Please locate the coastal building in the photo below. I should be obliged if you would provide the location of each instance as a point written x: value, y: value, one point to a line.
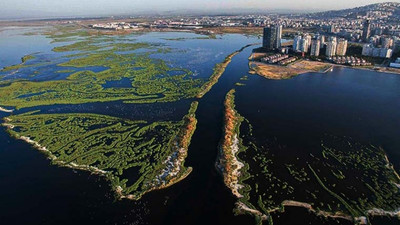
x: 396, y: 45
x: 378, y: 31
x: 304, y: 45
x: 366, y: 31
x: 331, y: 47
x: 272, y: 37
x: 375, y: 40
x: 341, y: 47
x: 396, y: 64
x: 387, y: 42
x: 332, y: 29
x: 296, y: 43
x: 308, y: 38
x: 278, y: 35
x: 322, y: 40
x: 386, y: 53
x: 315, y: 47
x: 367, y: 50
x: 370, y: 50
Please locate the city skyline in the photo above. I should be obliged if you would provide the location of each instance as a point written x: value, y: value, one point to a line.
x: 20, y: 9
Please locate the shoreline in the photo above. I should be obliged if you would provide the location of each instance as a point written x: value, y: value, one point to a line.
x: 219, y: 69
x: 173, y: 166
x: 227, y: 162
x: 6, y: 110
x: 382, y: 70
x: 277, y: 72
x: 54, y: 158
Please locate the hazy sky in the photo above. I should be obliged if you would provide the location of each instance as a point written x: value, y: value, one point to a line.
x: 51, y: 8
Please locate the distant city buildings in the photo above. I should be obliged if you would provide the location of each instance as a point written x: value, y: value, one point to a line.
x: 296, y: 43
x: 341, y: 47
x: 315, y: 47
x: 114, y: 26
x: 382, y: 33
x: 396, y: 64
x: 387, y: 42
x: 370, y: 50
x: 349, y: 60
x: 281, y: 59
x: 322, y: 40
x: 332, y: 29
x: 272, y: 37
x: 302, y: 43
x: 331, y: 46
x: 366, y: 31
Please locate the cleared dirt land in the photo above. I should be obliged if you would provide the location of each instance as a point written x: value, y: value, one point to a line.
x: 285, y: 72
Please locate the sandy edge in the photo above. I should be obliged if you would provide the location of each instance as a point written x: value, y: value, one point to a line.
x: 6, y: 110
x: 95, y: 170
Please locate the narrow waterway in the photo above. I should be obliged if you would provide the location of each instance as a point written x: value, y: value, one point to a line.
x: 203, y: 198
x: 47, y: 194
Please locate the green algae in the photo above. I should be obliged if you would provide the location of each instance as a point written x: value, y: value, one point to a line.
x: 151, y: 83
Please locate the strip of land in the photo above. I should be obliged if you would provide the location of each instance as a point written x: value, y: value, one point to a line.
x: 228, y: 163
x: 118, y: 149
x: 219, y: 69
x: 6, y: 110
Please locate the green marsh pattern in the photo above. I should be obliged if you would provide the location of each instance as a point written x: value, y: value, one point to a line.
x: 106, y: 143
x: 345, y: 178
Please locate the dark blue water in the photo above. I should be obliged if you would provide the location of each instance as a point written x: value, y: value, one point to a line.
x: 150, y: 112
x: 122, y: 83
x: 361, y: 104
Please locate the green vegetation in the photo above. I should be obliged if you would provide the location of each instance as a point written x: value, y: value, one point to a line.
x: 27, y: 58
x: 219, y: 69
x: 234, y: 171
x: 150, y: 78
x: 94, y: 45
x: 245, y: 77
x: 63, y: 33
x: 24, y: 59
x: 78, y: 46
x: 65, y: 71
x: 150, y: 81
x: 343, y: 178
x: 134, y: 155
x: 193, y: 38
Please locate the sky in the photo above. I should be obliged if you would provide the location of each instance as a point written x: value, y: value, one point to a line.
x: 68, y: 8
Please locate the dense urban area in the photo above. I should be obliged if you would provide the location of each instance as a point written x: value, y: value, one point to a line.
x: 358, y: 37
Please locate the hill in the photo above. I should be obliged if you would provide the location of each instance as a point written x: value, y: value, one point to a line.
x: 389, y: 12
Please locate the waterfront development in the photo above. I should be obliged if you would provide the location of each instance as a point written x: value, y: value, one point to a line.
x: 164, y: 127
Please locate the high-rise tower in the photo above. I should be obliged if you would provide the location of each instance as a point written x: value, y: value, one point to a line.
x: 366, y: 31
x: 315, y: 47
x: 341, y: 47
x: 272, y: 37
